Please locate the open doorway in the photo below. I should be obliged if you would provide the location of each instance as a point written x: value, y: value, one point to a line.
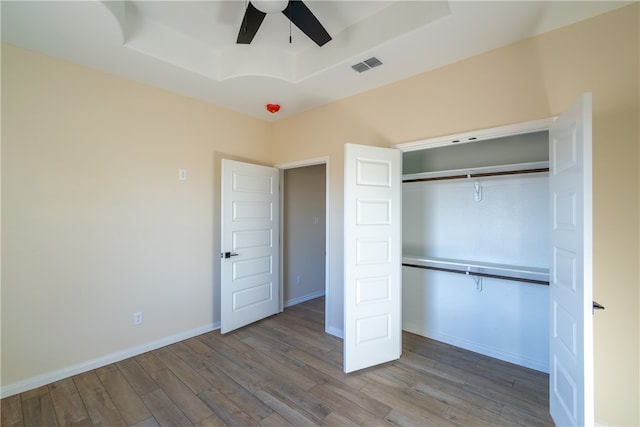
x: 304, y: 207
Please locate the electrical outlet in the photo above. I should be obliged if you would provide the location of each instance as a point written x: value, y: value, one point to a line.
x: 298, y: 279
x: 182, y: 174
x: 137, y: 318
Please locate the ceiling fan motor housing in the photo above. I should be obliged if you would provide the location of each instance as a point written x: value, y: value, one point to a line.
x: 270, y: 6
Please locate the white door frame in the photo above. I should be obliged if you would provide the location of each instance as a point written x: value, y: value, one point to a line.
x: 294, y: 165
x: 479, y: 135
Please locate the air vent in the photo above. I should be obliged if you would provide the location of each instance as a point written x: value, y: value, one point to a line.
x: 360, y: 67
x: 373, y: 62
x: 367, y: 64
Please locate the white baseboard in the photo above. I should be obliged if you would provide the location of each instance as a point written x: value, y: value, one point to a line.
x: 328, y: 329
x: 49, y: 377
x: 335, y: 332
x: 455, y: 341
x: 518, y: 359
x: 298, y: 300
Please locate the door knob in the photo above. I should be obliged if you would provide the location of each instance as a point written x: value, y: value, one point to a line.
x: 228, y: 254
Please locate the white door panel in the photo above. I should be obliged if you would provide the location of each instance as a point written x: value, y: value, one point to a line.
x: 372, y: 239
x: 249, y: 262
x: 571, y: 281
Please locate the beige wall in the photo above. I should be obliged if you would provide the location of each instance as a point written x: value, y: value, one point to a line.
x: 529, y: 80
x: 95, y: 223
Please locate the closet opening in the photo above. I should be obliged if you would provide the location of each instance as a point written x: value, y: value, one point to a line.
x: 476, y: 245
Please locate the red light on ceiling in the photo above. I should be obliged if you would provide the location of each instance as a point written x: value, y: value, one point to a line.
x: 273, y: 108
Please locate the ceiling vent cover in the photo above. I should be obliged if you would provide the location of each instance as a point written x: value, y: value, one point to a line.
x: 360, y: 67
x: 367, y: 64
x: 373, y: 62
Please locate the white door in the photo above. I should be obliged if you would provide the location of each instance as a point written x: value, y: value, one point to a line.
x: 372, y: 256
x: 571, y: 400
x: 249, y: 260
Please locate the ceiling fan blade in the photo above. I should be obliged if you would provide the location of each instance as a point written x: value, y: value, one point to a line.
x: 304, y: 19
x: 250, y: 23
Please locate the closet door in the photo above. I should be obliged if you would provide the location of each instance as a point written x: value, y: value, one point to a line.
x: 372, y: 256
x: 571, y: 283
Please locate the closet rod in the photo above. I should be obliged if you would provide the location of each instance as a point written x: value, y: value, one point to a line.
x: 473, y: 273
x: 478, y: 175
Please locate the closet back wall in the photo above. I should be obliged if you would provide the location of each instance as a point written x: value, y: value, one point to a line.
x: 509, y: 225
x: 500, y: 318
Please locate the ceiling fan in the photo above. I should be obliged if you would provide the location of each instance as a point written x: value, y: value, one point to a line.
x: 297, y: 12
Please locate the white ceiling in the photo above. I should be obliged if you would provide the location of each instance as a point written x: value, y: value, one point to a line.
x: 189, y: 47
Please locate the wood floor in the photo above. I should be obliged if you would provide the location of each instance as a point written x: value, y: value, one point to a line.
x: 285, y: 371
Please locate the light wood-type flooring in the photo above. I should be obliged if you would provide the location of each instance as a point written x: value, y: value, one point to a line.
x: 285, y: 371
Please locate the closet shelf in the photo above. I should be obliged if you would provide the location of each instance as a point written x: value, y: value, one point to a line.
x: 479, y: 172
x: 518, y: 273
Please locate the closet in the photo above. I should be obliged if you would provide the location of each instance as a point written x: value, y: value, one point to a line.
x: 476, y: 246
